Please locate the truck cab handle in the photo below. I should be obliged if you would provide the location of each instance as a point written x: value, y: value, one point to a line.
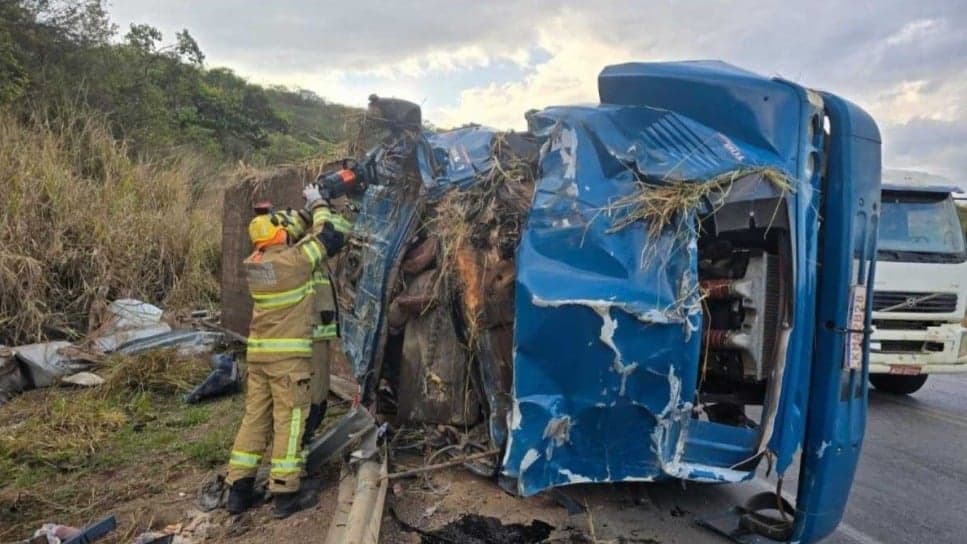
x: 841, y: 330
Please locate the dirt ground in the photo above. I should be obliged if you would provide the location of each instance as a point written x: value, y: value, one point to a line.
x: 452, y: 493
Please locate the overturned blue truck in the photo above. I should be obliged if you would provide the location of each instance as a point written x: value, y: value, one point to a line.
x: 671, y: 284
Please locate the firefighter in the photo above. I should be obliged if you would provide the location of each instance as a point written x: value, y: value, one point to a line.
x: 325, y: 325
x: 280, y: 276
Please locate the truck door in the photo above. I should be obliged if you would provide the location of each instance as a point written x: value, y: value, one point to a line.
x: 836, y: 414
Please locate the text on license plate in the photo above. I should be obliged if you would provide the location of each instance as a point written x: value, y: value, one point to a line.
x: 905, y: 370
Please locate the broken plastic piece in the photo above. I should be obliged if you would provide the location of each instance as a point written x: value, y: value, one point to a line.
x: 128, y: 313
x: 223, y: 380
x: 94, y: 531
x: 83, y: 379
x: 46, y: 363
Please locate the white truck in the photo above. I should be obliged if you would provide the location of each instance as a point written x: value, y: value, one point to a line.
x: 920, y: 286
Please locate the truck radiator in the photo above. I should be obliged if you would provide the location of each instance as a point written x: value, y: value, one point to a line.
x: 758, y: 293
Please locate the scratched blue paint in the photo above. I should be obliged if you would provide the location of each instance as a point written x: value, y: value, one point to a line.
x: 622, y: 308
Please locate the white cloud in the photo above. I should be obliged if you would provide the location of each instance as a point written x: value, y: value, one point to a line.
x: 921, y: 99
x: 568, y: 77
x: 913, y: 31
x: 902, y: 61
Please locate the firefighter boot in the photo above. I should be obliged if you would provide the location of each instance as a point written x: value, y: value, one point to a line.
x: 317, y: 412
x: 286, y: 504
x: 241, y: 496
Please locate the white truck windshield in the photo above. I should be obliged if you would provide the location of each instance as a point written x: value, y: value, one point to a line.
x: 922, y: 223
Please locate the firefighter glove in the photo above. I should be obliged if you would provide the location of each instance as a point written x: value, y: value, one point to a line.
x: 312, y: 195
x: 332, y: 239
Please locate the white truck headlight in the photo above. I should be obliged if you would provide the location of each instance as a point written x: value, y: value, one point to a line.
x: 963, y: 343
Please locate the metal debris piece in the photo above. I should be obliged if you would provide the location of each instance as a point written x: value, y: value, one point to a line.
x: 338, y: 437
x: 112, y: 342
x: 187, y: 342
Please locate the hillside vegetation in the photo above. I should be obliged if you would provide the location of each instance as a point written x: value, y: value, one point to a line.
x: 114, y: 146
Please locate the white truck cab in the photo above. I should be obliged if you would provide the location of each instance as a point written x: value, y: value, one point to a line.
x: 920, y: 286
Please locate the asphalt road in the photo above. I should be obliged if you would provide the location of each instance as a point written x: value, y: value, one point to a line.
x: 911, y: 485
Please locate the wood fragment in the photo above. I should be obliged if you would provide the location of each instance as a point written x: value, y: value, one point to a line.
x: 342, y: 388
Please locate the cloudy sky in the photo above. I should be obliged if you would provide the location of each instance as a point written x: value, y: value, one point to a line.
x: 489, y: 61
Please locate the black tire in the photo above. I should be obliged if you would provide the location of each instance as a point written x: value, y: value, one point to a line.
x: 898, y: 385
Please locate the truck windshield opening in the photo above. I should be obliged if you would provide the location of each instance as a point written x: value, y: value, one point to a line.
x: 920, y: 227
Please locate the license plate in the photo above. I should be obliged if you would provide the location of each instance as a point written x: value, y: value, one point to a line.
x: 905, y: 370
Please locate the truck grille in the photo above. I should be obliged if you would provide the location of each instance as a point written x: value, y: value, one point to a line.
x: 938, y: 303
x: 904, y: 325
x: 909, y: 346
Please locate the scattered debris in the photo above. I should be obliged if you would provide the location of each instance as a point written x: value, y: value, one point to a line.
x: 439, y: 466
x: 52, y: 533
x: 213, y: 493
x: 129, y: 327
x: 476, y: 529
x: 199, y: 527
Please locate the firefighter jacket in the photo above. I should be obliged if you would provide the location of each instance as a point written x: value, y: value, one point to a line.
x: 325, y: 310
x: 282, y: 281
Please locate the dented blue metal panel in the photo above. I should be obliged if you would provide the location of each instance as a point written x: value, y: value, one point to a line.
x: 607, y: 323
x: 765, y: 114
x: 838, y: 399
x: 459, y: 155
x: 382, y: 228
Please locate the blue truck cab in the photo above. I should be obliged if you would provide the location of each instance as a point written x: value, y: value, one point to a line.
x: 692, y: 293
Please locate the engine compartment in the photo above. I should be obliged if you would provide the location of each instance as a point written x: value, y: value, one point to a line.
x: 744, y: 270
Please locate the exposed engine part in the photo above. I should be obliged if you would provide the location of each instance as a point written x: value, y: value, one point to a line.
x: 744, y: 314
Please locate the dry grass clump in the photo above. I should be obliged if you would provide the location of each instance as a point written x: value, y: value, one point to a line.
x: 83, y: 222
x: 479, y: 226
x: 159, y: 371
x: 665, y: 203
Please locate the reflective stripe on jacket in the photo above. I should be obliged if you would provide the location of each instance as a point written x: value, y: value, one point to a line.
x: 326, y: 318
x: 282, y: 281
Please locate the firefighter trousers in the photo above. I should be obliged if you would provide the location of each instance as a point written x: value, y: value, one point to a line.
x: 276, y: 404
x: 320, y: 371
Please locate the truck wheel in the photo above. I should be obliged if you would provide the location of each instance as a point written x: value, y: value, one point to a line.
x: 898, y: 385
